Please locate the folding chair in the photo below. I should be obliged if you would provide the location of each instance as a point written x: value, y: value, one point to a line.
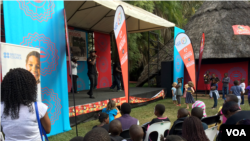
x: 211, y: 133
x: 159, y: 127
x: 211, y: 120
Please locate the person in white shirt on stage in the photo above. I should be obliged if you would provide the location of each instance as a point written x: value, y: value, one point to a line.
x: 74, y: 66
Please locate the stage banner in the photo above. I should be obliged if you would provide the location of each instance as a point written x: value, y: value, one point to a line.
x: 200, y: 56
x: 103, y: 60
x: 16, y: 56
x: 241, y: 30
x: 40, y: 24
x: 78, y: 44
x: 178, y: 67
x: 120, y: 30
x: 185, y: 49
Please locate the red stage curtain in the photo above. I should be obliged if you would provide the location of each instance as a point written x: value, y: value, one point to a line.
x: 103, y: 61
x: 235, y: 71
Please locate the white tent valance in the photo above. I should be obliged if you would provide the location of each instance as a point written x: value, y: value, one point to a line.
x: 99, y: 16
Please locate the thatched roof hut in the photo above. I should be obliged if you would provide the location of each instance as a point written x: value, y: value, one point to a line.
x: 215, y: 19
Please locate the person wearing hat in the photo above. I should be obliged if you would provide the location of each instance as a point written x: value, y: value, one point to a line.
x: 74, y: 74
x: 92, y: 72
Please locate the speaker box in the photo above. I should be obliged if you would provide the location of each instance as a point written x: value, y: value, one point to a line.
x: 167, y: 77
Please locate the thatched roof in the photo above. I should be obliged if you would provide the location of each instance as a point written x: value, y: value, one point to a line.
x: 216, y: 19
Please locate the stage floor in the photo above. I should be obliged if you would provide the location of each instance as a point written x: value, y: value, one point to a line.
x: 105, y: 94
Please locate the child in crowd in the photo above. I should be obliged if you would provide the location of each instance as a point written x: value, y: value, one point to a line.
x: 173, y: 92
x: 104, y: 120
x: 97, y: 134
x: 136, y: 133
x: 185, y: 92
x: 236, y: 90
x: 202, y: 105
x: 79, y: 138
x: 111, y: 110
x: 198, y: 112
x: 115, y: 129
x: 182, y: 114
x: 243, y: 87
x: 190, y: 91
x: 178, y: 91
x: 225, y: 88
x: 172, y: 138
x: 243, y: 122
x: 248, y: 92
x: 214, y: 92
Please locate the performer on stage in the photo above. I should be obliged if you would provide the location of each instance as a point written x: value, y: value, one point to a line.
x: 117, y: 76
x: 74, y: 74
x: 92, y: 72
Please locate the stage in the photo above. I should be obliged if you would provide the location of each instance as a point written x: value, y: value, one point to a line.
x: 86, y: 108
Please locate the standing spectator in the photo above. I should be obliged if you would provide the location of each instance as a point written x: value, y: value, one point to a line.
x: 178, y: 91
x: 212, y: 78
x: 192, y: 130
x: 243, y: 87
x: 189, y: 96
x: 174, y: 92
x: 104, y: 120
x: 248, y: 92
x: 117, y: 77
x: 126, y: 120
x: 74, y: 74
x: 225, y: 88
x: 111, y: 110
x: 214, y: 92
x: 207, y: 82
x: 236, y: 90
x: 18, y: 112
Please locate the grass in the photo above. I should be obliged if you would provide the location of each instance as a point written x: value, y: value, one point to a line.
x: 145, y: 114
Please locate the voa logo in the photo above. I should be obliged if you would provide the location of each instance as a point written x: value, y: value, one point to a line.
x: 236, y: 132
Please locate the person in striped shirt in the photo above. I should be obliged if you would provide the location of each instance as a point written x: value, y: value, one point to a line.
x: 202, y: 105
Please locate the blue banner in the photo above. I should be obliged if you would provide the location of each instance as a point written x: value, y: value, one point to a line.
x: 178, y: 67
x: 83, y: 79
x: 41, y: 24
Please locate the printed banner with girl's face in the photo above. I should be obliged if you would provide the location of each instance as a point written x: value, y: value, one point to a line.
x: 16, y: 56
x: 120, y: 30
x: 185, y: 49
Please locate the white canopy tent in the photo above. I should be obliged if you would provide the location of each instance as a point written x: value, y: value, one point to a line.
x: 99, y: 16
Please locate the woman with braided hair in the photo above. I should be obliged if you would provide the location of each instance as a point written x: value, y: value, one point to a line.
x: 18, y: 114
x: 192, y: 130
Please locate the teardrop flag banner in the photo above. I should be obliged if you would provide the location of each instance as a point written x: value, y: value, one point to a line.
x: 120, y: 31
x: 185, y: 49
x: 200, y: 56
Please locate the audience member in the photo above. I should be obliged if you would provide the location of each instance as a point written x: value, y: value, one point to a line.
x: 174, y: 92
x: 243, y: 122
x: 236, y: 90
x: 136, y: 133
x: 182, y: 114
x: 189, y: 96
x: 110, y: 110
x: 225, y: 88
x: 178, y: 91
x: 202, y: 105
x: 243, y: 87
x: 115, y: 129
x: 214, y: 92
x: 198, y: 112
x: 104, y: 120
x: 192, y: 130
x: 126, y: 120
x: 172, y: 138
x: 18, y: 112
x: 79, y: 138
x: 97, y: 134
x: 233, y: 113
x: 248, y: 92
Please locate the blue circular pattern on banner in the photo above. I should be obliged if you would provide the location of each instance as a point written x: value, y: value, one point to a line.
x: 178, y: 63
x: 80, y: 84
x: 39, y: 10
x: 104, y: 82
x: 103, y: 64
x: 236, y: 73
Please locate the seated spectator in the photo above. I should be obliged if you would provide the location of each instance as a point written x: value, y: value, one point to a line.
x: 136, y: 133
x: 115, y: 129
x: 198, y: 112
x: 77, y: 139
x: 97, y: 134
x: 181, y: 116
x: 126, y: 120
x: 111, y: 110
x: 202, y: 105
x: 18, y: 112
x: 192, y: 130
x: 172, y: 138
x: 233, y: 113
x: 243, y: 122
x: 104, y: 120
